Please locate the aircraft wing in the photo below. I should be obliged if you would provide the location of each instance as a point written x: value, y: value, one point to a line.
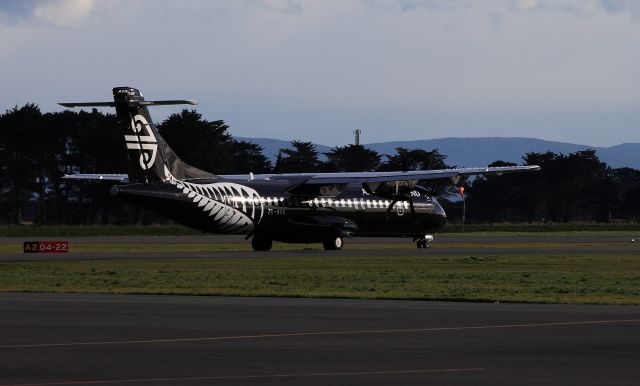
x: 379, y: 177
x: 414, y: 175
x: 344, y: 178
x: 123, y: 178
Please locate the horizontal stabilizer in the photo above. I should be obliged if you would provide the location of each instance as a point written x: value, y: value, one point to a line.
x: 130, y: 103
x: 168, y: 102
x: 88, y: 104
x: 98, y: 177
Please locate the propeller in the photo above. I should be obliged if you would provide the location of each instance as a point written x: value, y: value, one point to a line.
x: 405, y: 167
x: 406, y: 195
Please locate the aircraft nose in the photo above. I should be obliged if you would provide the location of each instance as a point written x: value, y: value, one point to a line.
x: 438, y: 209
x: 437, y: 219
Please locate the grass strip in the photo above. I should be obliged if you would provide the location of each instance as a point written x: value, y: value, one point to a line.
x: 588, y: 279
x: 439, y: 247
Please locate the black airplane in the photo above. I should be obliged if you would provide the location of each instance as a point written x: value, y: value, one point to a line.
x: 291, y: 208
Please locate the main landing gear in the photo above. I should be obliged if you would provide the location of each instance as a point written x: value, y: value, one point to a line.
x: 424, y: 242
x: 261, y: 243
x: 334, y: 243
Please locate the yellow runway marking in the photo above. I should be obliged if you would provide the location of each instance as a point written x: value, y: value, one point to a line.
x: 321, y: 333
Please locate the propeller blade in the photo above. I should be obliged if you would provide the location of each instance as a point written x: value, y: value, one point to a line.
x: 413, y: 211
x: 395, y: 200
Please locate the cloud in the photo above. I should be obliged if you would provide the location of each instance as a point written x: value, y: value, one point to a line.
x: 61, y: 13
x: 581, y: 7
x: 413, y: 5
x: 65, y: 13
x: 570, y: 6
x: 622, y: 6
x: 14, y: 11
x: 279, y: 6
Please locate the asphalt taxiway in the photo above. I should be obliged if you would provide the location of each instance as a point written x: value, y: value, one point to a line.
x: 237, y: 246
x: 64, y: 339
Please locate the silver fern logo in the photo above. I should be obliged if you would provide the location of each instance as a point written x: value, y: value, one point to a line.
x: 234, y: 208
x: 143, y: 140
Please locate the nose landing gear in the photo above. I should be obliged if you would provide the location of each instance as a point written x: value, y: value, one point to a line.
x: 424, y: 242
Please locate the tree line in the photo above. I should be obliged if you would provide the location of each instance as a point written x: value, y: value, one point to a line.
x: 37, y: 149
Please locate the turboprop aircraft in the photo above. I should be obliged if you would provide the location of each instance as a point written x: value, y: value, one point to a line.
x: 302, y: 208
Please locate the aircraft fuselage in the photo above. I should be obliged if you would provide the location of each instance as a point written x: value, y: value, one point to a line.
x: 249, y: 207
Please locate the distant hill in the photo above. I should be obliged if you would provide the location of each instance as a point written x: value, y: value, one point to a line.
x: 469, y: 152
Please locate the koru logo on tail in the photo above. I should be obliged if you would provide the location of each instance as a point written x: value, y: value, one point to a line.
x: 143, y: 140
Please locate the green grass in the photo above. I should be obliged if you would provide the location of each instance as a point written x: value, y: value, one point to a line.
x: 609, y: 278
x: 546, y: 279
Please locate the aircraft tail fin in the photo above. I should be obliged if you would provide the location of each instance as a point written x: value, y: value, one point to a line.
x: 148, y: 152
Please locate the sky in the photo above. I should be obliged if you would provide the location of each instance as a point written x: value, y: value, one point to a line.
x: 563, y: 70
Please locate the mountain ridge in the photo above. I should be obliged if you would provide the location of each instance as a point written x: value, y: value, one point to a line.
x: 481, y: 151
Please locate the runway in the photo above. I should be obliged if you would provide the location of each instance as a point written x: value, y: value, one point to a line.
x: 237, y: 246
x: 53, y: 339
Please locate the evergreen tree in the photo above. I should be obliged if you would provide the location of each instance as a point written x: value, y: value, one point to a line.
x: 249, y: 157
x: 352, y: 158
x: 570, y: 187
x: 93, y: 144
x: 302, y: 158
x: 203, y: 144
x: 494, y: 198
x: 19, y: 142
x: 414, y: 159
x: 628, y: 180
x: 209, y: 146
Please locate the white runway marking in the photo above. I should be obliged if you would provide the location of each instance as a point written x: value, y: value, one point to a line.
x: 320, y: 333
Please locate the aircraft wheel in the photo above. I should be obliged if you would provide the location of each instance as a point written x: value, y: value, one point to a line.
x: 423, y: 243
x: 261, y: 243
x: 333, y: 244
